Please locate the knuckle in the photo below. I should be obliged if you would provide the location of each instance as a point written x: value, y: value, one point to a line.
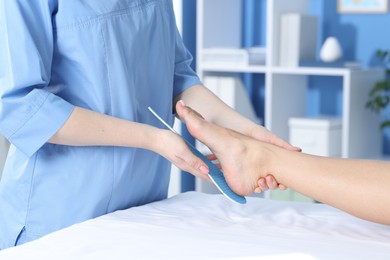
x: 194, y: 163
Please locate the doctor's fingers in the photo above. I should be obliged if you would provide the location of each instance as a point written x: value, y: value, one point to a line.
x: 273, y: 184
x: 262, y: 184
x: 213, y: 158
x: 269, y: 182
x: 190, y: 163
x: 273, y: 139
x: 260, y: 133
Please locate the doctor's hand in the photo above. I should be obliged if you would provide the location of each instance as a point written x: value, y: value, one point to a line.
x: 264, y: 183
x: 260, y: 133
x: 173, y: 148
x: 243, y: 159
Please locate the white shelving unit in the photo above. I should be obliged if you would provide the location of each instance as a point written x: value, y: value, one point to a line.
x: 4, y: 146
x: 286, y: 87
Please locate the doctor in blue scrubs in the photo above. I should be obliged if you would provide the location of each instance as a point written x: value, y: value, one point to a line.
x: 76, y: 79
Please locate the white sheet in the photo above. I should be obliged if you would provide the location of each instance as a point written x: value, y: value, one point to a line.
x: 200, y: 226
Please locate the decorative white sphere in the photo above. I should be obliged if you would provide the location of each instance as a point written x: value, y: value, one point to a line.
x: 331, y: 50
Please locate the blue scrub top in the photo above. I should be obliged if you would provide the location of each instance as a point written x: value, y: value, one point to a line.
x: 116, y: 57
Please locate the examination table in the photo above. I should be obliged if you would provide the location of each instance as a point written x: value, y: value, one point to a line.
x: 201, y: 226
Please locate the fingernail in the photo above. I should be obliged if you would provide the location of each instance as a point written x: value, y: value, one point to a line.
x: 182, y: 103
x: 257, y: 190
x: 204, y: 169
x: 262, y: 183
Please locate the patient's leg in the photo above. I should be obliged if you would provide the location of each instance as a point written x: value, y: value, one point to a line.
x: 238, y: 154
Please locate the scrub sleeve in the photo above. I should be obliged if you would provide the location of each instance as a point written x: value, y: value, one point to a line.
x: 29, y: 115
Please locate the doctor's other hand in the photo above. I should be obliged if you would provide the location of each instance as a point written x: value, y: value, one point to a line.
x: 260, y: 133
x: 173, y: 148
x: 265, y: 183
x: 241, y: 160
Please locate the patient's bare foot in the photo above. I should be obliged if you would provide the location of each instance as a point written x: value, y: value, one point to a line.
x: 239, y: 155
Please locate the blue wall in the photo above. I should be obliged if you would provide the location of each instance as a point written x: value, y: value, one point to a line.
x: 189, y: 39
x: 254, y: 33
x: 360, y: 35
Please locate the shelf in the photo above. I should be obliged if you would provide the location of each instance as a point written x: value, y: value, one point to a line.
x: 318, y: 71
x: 225, y: 67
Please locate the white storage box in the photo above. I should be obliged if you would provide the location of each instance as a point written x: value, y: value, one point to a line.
x: 319, y: 136
x: 257, y: 55
x: 236, y: 56
x: 225, y: 56
x: 298, y: 38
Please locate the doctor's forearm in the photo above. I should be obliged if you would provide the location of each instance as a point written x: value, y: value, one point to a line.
x: 214, y: 109
x: 88, y: 128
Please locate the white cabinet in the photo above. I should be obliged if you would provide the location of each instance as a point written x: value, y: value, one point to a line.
x: 219, y: 26
x: 4, y: 146
x: 318, y: 136
x: 286, y: 96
